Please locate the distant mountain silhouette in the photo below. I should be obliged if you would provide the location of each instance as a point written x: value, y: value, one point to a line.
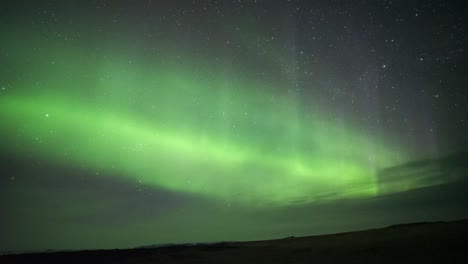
x: 440, y: 242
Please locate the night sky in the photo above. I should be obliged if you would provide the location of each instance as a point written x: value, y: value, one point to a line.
x: 130, y: 123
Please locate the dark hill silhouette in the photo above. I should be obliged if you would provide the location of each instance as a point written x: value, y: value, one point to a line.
x: 438, y: 242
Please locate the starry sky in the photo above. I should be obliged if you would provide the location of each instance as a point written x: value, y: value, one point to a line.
x: 131, y: 123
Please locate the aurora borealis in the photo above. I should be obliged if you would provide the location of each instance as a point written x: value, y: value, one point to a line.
x: 244, y: 151
x: 130, y: 124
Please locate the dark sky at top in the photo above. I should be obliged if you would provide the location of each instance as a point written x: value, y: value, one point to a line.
x: 288, y: 75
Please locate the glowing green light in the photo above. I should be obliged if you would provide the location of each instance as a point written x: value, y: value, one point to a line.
x: 228, y: 138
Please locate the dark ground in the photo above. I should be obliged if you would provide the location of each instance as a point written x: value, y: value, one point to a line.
x: 441, y: 242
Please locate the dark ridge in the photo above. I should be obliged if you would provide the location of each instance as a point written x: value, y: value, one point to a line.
x: 424, y: 242
x: 199, y: 246
x: 415, y: 224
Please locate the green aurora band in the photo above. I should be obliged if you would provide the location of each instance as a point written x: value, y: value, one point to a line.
x: 197, y: 131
